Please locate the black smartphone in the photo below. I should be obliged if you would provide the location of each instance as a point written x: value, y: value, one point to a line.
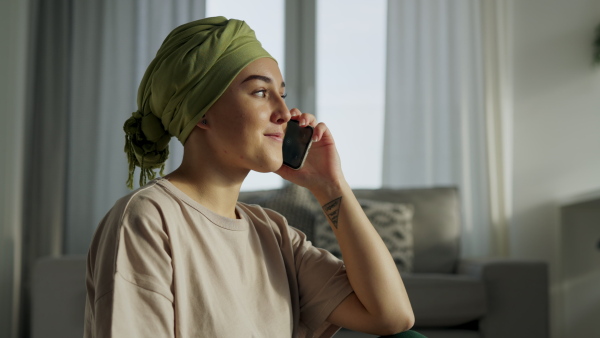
x: 296, y: 142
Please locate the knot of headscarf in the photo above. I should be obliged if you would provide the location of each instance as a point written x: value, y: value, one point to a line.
x: 192, y: 69
x: 146, y: 146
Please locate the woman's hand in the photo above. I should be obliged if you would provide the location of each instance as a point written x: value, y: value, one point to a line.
x: 322, y: 165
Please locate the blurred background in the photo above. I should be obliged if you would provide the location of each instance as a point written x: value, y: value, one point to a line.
x: 500, y: 98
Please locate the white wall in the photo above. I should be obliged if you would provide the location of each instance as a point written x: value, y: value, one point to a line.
x: 13, y: 43
x: 556, y: 124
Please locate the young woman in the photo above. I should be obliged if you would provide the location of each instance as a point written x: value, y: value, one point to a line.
x: 180, y: 257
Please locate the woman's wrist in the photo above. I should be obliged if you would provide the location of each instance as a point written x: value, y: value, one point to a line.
x: 326, y: 192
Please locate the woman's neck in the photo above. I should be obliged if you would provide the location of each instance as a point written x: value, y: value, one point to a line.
x: 212, y: 188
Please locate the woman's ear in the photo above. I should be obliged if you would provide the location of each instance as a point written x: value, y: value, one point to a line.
x: 203, y: 124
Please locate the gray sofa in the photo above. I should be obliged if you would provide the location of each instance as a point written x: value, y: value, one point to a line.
x: 451, y: 297
x: 454, y: 297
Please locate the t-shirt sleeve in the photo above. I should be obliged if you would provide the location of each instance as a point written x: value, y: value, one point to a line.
x: 323, y: 285
x: 139, y: 300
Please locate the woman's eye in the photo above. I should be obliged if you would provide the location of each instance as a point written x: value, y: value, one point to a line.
x: 261, y: 93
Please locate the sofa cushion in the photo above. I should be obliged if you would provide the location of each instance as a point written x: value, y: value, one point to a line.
x: 295, y: 203
x: 436, y: 224
x: 391, y: 220
x: 443, y: 300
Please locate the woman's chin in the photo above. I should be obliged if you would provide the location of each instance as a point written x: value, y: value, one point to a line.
x: 275, y: 167
x: 270, y: 166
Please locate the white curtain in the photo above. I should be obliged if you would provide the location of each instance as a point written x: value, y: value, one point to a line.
x: 436, y: 106
x: 497, y: 39
x: 87, y: 60
x: 13, y: 53
x: 112, y: 43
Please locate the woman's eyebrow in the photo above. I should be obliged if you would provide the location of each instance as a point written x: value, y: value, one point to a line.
x: 262, y: 78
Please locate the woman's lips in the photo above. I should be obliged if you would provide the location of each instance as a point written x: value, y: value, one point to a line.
x: 275, y: 136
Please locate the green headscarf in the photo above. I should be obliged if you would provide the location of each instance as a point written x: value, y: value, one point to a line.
x: 192, y: 69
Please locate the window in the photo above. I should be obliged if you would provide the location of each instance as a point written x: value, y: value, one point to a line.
x: 351, y: 47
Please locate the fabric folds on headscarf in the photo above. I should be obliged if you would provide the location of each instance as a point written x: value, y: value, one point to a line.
x: 192, y: 69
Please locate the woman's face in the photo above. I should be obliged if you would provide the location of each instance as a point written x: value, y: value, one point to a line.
x: 246, y: 125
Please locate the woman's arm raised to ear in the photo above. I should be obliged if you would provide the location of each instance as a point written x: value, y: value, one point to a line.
x: 379, y: 304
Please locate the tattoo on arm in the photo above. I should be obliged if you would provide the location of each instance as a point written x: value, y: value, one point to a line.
x: 332, y: 210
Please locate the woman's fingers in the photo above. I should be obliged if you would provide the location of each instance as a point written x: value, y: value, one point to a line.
x: 320, y: 130
x: 303, y: 118
x: 309, y: 119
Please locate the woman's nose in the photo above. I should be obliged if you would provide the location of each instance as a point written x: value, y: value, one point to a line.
x: 281, y: 113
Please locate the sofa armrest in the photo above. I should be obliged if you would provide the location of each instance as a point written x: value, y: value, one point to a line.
x: 517, y: 295
x: 58, y: 297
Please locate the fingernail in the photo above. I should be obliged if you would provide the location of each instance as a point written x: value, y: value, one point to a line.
x: 303, y: 122
x: 314, y: 138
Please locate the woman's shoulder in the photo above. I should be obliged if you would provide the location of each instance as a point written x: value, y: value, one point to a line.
x: 139, y: 211
x: 146, y: 201
x: 150, y: 194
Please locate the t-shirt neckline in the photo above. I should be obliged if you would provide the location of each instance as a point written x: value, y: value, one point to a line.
x: 218, y: 220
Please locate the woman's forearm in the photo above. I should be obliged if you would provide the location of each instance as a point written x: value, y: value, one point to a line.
x: 369, y: 265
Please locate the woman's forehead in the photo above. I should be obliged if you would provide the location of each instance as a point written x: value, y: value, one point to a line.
x: 264, y: 69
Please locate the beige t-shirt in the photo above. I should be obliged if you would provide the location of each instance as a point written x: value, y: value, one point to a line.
x: 162, y: 265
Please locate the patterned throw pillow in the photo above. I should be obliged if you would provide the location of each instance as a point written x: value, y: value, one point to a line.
x: 297, y: 205
x: 393, y: 222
